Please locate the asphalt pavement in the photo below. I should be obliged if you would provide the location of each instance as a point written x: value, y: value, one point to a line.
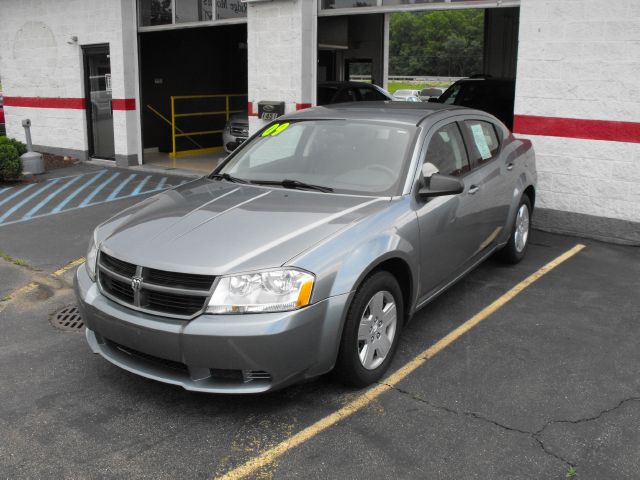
x: 548, y: 382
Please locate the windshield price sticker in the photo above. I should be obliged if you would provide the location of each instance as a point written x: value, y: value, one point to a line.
x: 275, y: 129
x: 481, y: 141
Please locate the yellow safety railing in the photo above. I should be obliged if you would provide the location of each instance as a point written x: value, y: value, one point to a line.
x: 178, y: 133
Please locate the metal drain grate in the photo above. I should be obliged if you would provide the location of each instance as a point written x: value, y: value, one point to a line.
x: 68, y: 319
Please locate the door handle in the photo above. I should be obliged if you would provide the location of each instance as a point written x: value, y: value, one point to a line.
x: 473, y: 189
x: 509, y: 166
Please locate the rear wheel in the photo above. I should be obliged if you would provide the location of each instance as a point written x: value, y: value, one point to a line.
x: 516, y: 247
x: 371, y: 331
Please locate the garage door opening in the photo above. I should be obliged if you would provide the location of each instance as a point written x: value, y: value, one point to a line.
x: 417, y: 55
x: 192, y: 82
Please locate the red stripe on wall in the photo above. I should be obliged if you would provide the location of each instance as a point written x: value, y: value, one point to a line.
x: 45, y: 102
x: 123, y: 103
x: 302, y: 106
x: 577, y: 128
x: 65, y: 103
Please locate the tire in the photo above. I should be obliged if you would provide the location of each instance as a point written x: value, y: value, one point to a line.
x: 360, y: 360
x: 516, y: 247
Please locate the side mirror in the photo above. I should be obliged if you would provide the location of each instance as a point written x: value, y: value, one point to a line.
x: 439, y: 185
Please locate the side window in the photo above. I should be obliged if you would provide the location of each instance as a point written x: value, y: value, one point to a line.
x: 345, y: 95
x: 446, y: 151
x: 370, y: 94
x: 449, y: 96
x: 483, y: 139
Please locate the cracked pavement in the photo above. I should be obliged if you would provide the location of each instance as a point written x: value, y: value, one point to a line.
x: 550, y: 380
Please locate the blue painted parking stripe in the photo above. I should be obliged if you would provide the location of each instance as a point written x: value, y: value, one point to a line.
x: 16, y: 193
x: 50, y: 183
x: 160, y: 185
x: 80, y: 189
x: 83, y: 206
x: 5, y: 189
x: 93, y: 194
x: 140, y: 186
x: 50, y: 197
x: 120, y: 187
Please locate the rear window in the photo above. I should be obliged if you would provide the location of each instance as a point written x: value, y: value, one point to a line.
x: 370, y: 94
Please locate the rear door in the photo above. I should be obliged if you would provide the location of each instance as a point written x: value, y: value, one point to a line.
x: 489, y: 181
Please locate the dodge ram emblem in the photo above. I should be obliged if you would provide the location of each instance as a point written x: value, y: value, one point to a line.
x: 136, y: 284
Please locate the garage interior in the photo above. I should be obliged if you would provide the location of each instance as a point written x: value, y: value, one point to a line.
x: 356, y: 46
x: 209, y: 66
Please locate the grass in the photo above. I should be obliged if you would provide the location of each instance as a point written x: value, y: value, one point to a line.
x: 393, y: 86
x: 16, y: 261
x: 6, y: 298
x: 571, y: 472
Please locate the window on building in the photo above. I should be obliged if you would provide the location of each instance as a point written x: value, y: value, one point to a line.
x: 348, y: 3
x: 162, y: 12
x: 192, y: 11
x: 155, y: 12
x: 230, y: 9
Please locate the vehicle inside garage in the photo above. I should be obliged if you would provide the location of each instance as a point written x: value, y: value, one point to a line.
x: 195, y: 79
x: 414, y: 50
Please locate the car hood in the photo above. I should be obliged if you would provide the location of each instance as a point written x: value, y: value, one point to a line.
x: 217, y: 227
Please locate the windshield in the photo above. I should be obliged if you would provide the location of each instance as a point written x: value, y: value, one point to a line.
x: 359, y: 157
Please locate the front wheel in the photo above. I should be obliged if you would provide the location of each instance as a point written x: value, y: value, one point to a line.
x: 516, y: 247
x: 371, y: 331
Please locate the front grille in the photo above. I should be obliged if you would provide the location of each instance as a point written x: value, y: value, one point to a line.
x: 171, y: 303
x: 155, y: 291
x: 118, y: 266
x: 117, y: 288
x: 179, y: 280
x: 239, y: 130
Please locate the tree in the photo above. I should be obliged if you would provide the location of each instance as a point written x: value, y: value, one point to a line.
x: 441, y: 43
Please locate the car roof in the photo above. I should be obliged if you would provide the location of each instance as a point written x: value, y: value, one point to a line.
x: 344, y: 84
x: 486, y: 80
x: 409, y: 113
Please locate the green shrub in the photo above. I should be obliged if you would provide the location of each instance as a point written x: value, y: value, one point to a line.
x: 17, y: 144
x: 10, y: 165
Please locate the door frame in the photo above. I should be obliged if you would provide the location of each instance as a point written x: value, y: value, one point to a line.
x: 86, y: 50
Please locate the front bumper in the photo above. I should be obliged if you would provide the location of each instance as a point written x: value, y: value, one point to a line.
x: 214, y: 353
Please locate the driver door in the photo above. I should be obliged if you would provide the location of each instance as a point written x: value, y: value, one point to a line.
x: 447, y: 236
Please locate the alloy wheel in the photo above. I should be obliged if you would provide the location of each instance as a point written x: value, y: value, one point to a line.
x: 521, y: 232
x: 377, y: 330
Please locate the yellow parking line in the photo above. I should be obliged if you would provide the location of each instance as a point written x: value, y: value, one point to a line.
x: 58, y: 273
x: 26, y: 289
x: 68, y: 267
x: 268, y: 456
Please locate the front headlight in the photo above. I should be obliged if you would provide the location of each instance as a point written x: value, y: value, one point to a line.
x: 92, y: 257
x: 268, y: 291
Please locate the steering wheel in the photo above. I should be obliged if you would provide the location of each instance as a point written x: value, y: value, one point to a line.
x: 383, y: 168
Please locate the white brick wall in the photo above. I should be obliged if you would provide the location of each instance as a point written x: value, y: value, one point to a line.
x: 282, y: 53
x: 581, y: 59
x: 36, y: 60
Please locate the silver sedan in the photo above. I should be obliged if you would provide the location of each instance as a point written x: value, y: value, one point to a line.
x: 308, y: 249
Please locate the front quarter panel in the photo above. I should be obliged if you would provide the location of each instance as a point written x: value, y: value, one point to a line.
x: 343, y: 261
